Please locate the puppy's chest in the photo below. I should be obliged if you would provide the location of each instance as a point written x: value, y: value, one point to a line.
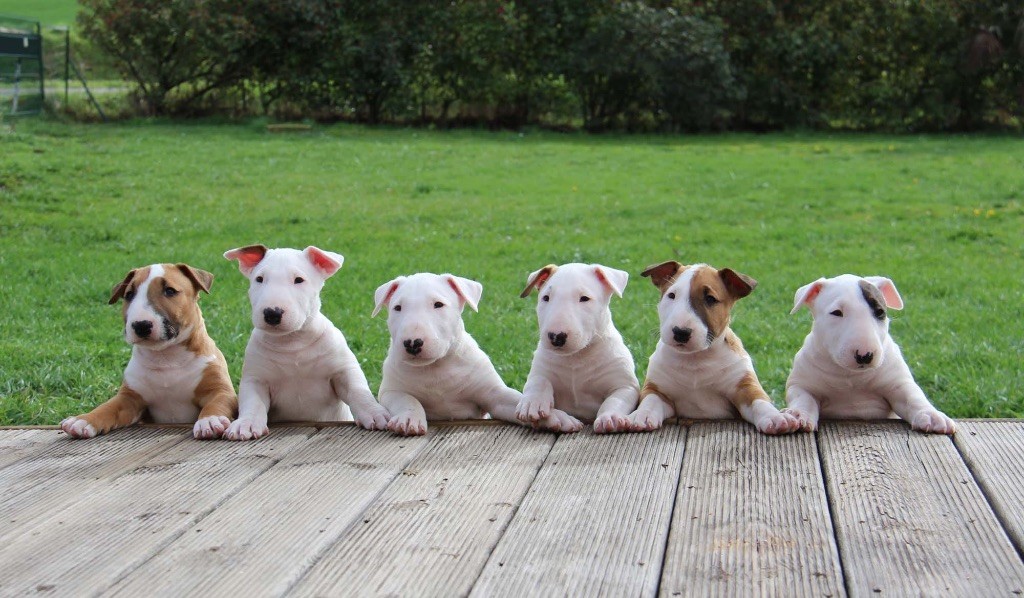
x: 699, y: 386
x: 168, y: 390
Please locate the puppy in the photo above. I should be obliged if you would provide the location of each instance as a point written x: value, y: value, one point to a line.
x: 849, y: 367
x: 699, y: 368
x: 176, y: 373
x: 434, y: 369
x: 298, y: 366
x: 581, y: 366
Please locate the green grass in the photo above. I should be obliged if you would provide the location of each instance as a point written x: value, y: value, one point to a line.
x: 80, y: 205
x: 48, y: 12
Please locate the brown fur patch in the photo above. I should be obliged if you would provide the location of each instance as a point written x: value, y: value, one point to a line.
x: 650, y: 388
x: 874, y: 299
x: 733, y: 342
x: 706, y: 283
x: 215, y: 394
x: 749, y: 390
x: 182, y: 309
x: 537, y: 280
x: 664, y: 274
x: 123, y: 409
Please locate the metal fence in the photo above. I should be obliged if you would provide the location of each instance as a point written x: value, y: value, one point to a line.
x: 21, y: 67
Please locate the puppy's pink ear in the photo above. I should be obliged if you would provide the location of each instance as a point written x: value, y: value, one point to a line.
x: 382, y: 296
x: 327, y: 262
x: 537, y: 279
x: 118, y: 291
x: 888, y: 288
x: 663, y: 274
x: 806, y: 294
x: 469, y: 291
x: 247, y: 257
x: 613, y: 279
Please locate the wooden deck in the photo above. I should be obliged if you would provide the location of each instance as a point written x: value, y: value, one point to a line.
x: 489, y: 509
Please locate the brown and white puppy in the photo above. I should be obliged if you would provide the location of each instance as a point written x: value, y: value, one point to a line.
x: 176, y: 373
x: 699, y: 369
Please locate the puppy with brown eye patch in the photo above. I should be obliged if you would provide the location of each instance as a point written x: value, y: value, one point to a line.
x: 699, y: 369
x: 176, y: 373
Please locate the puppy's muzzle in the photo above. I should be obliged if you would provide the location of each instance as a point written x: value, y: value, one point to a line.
x: 413, y: 346
x: 681, y: 335
x: 863, y: 360
x: 142, y: 328
x: 273, y: 316
x: 558, y: 339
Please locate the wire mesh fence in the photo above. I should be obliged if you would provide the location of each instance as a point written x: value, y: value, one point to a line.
x: 21, y: 67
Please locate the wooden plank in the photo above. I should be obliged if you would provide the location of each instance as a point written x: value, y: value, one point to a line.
x: 266, y: 536
x: 15, y: 445
x: 431, y: 532
x: 68, y: 469
x: 751, y: 517
x: 995, y: 453
x: 909, y: 518
x: 595, y: 520
x: 115, y: 527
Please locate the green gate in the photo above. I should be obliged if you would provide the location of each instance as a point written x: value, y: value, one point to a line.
x: 21, y: 67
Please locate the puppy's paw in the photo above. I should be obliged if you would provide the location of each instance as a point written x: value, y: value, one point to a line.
x: 778, y: 423
x: 559, y: 421
x: 76, y: 427
x: 644, y: 421
x: 210, y: 427
x: 803, y: 421
x: 533, y: 410
x: 933, y: 422
x: 245, y: 429
x: 408, y: 425
x: 373, y: 419
x: 612, y: 422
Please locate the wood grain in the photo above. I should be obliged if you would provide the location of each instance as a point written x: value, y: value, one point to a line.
x: 995, y: 454
x: 15, y: 445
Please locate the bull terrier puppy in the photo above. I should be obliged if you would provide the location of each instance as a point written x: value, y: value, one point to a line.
x: 176, y: 372
x: 434, y: 369
x: 581, y: 365
x: 298, y: 366
x: 849, y: 367
x: 699, y: 368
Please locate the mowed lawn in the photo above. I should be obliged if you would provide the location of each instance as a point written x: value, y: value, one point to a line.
x: 48, y: 12
x: 80, y: 205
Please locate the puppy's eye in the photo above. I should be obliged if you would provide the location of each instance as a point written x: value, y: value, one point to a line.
x: 438, y: 305
x: 671, y: 295
x: 837, y: 313
x: 170, y: 292
x: 259, y: 279
x: 129, y: 295
x: 710, y: 300
x: 584, y: 299
x: 299, y: 280
x: 398, y: 308
x: 546, y: 298
x: 880, y: 313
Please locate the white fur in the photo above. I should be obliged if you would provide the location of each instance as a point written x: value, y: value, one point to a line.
x: 301, y: 369
x: 827, y: 381
x: 592, y: 376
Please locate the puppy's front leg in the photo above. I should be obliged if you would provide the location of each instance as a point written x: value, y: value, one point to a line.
x: 217, y: 403
x: 407, y: 415
x: 613, y: 416
x: 803, y: 406
x: 538, y: 400
x: 557, y: 421
x: 253, y: 405
x: 653, y: 410
x: 756, y: 407
x: 123, y: 409
x: 352, y: 388
x: 910, y: 403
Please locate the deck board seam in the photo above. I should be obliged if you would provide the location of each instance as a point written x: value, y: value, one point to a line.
x: 685, y: 431
x: 823, y: 470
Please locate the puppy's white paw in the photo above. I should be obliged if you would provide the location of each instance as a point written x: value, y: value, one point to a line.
x: 245, y: 429
x: 644, y: 421
x: 210, y: 427
x: 408, y: 425
x: 778, y: 423
x: 933, y: 422
x: 374, y: 419
x: 532, y: 409
x: 612, y: 422
x: 559, y: 421
x: 77, y: 427
x: 803, y: 420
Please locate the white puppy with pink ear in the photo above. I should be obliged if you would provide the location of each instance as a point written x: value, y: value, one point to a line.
x: 849, y: 367
x: 581, y: 366
x: 298, y: 366
x: 434, y: 369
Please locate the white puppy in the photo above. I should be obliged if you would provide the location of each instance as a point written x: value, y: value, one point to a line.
x: 581, y: 365
x: 434, y: 369
x: 298, y: 366
x: 849, y: 367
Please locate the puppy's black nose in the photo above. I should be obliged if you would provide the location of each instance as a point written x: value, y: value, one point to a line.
x: 864, y: 359
x: 143, y: 328
x: 414, y: 346
x: 273, y: 316
x: 558, y: 340
x: 681, y: 335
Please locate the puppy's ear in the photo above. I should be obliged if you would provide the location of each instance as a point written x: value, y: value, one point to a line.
x: 888, y: 288
x: 121, y: 287
x: 469, y: 291
x: 537, y: 279
x: 201, y: 279
x: 327, y: 262
x: 663, y: 274
x: 247, y: 257
x: 805, y: 295
x: 382, y: 296
x: 739, y: 285
x: 613, y: 279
